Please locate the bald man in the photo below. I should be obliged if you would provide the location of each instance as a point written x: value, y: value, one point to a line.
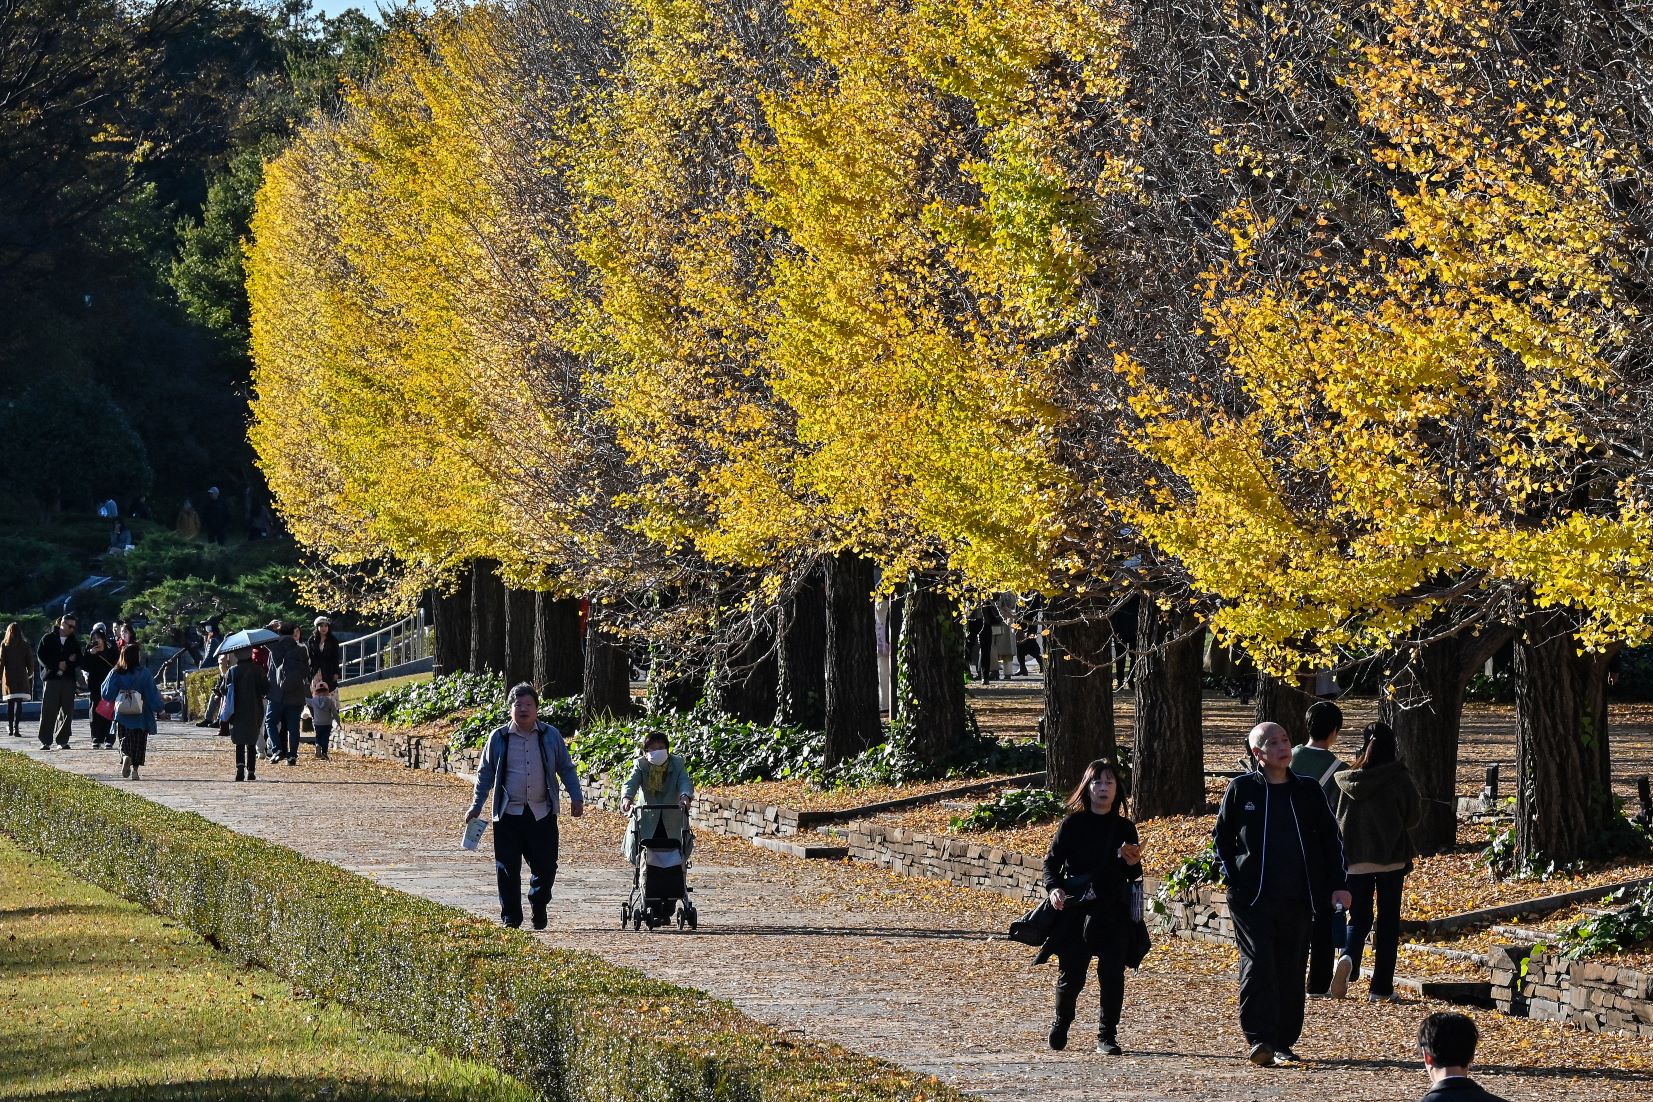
x: 1282, y: 857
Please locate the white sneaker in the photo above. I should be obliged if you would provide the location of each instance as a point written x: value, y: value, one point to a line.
x: 126, y: 765
x: 134, y: 772
x: 1340, y: 976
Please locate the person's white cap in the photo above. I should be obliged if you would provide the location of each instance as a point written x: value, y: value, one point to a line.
x: 212, y: 489
x: 319, y: 621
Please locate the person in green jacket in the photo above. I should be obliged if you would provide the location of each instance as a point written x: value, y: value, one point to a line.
x: 1377, y: 807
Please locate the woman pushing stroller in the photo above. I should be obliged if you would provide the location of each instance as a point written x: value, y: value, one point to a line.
x: 658, y: 840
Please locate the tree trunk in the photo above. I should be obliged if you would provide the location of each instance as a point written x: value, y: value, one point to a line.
x: 678, y: 686
x: 1283, y: 702
x: 487, y: 618
x: 801, y: 698
x: 930, y: 684
x: 898, y: 611
x: 852, y: 719
x: 451, y: 614
x: 1564, y: 809
x: 1078, y: 692
x: 1168, y: 755
x: 559, y: 668
x: 746, y: 686
x: 607, y: 671
x: 1424, y: 703
x: 521, y: 612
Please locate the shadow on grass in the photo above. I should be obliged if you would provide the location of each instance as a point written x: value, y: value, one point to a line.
x: 273, y: 1089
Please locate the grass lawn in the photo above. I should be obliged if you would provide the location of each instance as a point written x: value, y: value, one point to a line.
x: 352, y: 693
x: 99, y: 999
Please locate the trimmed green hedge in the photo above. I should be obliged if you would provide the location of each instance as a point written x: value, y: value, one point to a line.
x: 198, y: 690
x: 569, y: 1024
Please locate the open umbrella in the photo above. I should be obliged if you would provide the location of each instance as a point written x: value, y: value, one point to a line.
x: 252, y: 637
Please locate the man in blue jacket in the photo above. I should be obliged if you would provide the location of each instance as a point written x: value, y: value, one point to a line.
x: 1282, y: 857
x: 519, y: 765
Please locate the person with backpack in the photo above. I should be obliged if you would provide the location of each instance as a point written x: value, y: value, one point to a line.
x: 1328, y: 974
x: 1089, y: 870
x: 1377, y: 806
x: 289, y: 685
x: 131, y: 689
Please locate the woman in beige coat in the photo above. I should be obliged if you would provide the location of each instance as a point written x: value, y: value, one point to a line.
x: 16, y: 676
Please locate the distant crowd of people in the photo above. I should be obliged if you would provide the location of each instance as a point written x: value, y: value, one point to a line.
x: 257, y: 702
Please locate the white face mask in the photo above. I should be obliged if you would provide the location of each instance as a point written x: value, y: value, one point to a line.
x: 655, y: 757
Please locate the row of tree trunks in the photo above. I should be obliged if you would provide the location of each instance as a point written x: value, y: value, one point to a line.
x: 852, y: 717
x: 801, y: 694
x: 1078, y: 691
x: 1168, y: 747
x: 451, y: 617
x: 1424, y: 703
x: 1280, y: 701
x: 521, y: 615
x: 747, y: 685
x: 607, y: 671
x: 823, y: 674
x: 1564, y: 807
x: 930, y: 655
x: 558, y: 666
x: 487, y: 617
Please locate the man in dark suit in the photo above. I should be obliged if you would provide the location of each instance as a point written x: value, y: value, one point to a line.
x: 1447, y: 1042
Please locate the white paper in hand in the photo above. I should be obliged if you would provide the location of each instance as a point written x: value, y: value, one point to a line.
x: 473, y: 833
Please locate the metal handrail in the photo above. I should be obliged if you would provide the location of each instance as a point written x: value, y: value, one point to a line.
x: 175, y: 663
x: 407, y: 640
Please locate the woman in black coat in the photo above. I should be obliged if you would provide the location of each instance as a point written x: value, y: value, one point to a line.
x: 1088, y: 872
x: 98, y: 660
x: 325, y: 654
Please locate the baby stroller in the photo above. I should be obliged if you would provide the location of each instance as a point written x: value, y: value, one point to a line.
x: 659, y: 883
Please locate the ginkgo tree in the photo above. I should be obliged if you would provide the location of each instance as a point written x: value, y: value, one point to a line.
x: 1420, y: 419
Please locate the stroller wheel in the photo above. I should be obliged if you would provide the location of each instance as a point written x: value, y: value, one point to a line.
x: 693, y: 917
x: 682, y: 920
x: 625, y: 914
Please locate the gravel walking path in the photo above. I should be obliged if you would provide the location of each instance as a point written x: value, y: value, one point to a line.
x: 909, y: 970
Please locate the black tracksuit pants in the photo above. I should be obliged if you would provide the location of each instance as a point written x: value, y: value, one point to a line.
x: 1273, y: 937
x: 1110, y: 979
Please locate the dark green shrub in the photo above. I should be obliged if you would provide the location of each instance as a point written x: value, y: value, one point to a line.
x: 568, y: 1024
x: 32, y: 571
x: 1013, y: 808
x: 1190, y: 873
x: 1628, y: 924
x: 719, y: 750
x: 414, y: 702
x: 197, y: 690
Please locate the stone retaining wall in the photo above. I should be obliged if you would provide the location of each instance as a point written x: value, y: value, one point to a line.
x: 721, y: 814
x: 1200, y: 915
x: 914, y: 853
x: 1590, y: 995
x: 414, y: 751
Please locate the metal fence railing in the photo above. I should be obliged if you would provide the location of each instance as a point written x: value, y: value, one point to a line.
x: 407, y: 640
